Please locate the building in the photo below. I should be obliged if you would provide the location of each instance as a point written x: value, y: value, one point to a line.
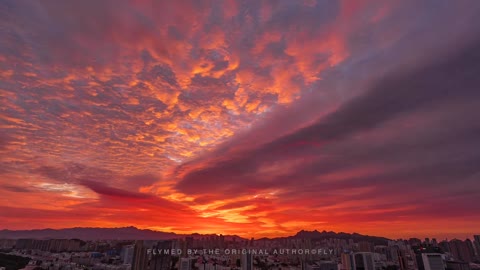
x: 51, y: 245
x: 189, y: 242
x: 400, y: 258
x: 140, y: 257
x: 347, y: 261
x: 476, y: 243
x: 414, y: 242
x: 306, y: 266
x: 7, y: 243
x: 363, y: 261
x: 456, y: 265
x: 470, y: 249
x: 460, y: 250
x: 185, y: 264
x: 247, y: 261
x: 145, y: 259
x: 127, y: 254
x: 430, y: 261
x: 365, y: 246
x: 327, y: 265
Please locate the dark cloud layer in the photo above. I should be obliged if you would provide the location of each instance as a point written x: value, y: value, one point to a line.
x: 451, y: 80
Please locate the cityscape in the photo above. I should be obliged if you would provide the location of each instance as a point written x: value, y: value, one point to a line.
x: 312, y: 250
x: 239, y: 134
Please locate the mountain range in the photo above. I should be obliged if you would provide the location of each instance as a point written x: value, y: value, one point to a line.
x: 133, y: 233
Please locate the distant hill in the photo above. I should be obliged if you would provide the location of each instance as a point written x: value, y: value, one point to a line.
x: 132, y: 233
x: 125, y: 233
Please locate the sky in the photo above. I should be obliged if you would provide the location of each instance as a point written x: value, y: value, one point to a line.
x: 255, y: 118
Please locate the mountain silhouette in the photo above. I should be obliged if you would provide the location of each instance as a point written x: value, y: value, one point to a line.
x: 133, y: 233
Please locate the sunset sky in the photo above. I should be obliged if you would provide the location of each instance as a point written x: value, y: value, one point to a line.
x: 255, y: 118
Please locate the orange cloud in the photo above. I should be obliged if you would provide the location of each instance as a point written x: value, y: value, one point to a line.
x: 102, y: 119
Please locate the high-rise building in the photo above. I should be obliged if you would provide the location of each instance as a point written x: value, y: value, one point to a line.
x: 221, y: 242
x: 126, y: 254
x: 363, y: 261
x: 476, y: 244
x: 23, y: 243
x: 149, y: 255
x: 422, y: 260
x: 444, y: 246
x: 477, y: 238
x: 347, y: 261
x: 189, y: 242
x: 455, y: 265
x: 415, y: 242
x: 460, y: 250
x: 247, y: 261
x: 407, y: 259
x: 402, y: 260
x: 470, y: 249
x: 140, y: 256
x: 185, y: 264
x: 431, y: 261
x: 365, y: 246
x: 7, y: 243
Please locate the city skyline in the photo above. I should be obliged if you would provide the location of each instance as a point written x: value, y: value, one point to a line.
x: 255, y: 118
x: 217, y: 252
x: 66, y: 233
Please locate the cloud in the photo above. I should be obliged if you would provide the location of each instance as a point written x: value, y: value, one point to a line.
x: 243, y: 115
x: 407, y: 140
x: 18, y: 189
x: 403, y: 93
x: 105, y: 190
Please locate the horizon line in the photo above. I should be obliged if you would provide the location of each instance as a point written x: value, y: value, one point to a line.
x: 245, y: 237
